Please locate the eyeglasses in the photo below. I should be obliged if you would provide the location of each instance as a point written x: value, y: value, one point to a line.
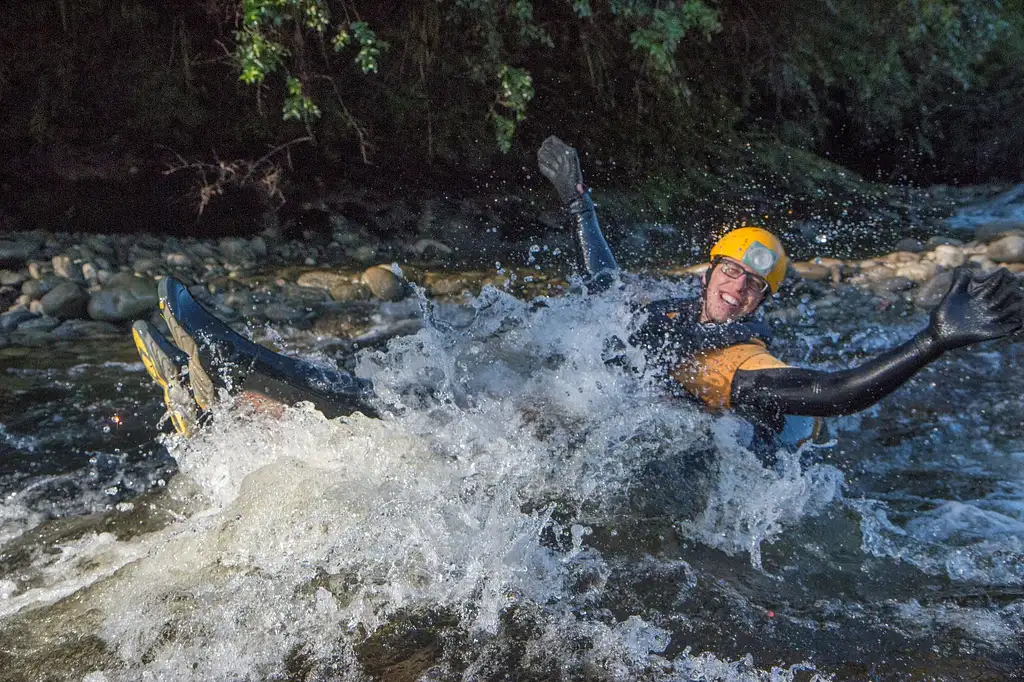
x: 753, y: 284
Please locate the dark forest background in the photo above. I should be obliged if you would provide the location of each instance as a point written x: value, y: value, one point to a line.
x: 121, y: 113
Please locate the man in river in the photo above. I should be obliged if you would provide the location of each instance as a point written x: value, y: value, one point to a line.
x: 710, y: 349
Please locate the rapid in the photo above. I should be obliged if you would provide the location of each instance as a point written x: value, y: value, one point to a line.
x: 525, y: 510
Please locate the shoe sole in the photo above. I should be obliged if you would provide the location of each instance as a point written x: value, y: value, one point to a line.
x: 203, y: 388
x: 164, y: 364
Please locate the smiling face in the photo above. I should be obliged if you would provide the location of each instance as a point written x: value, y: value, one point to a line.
x: 733, y: 291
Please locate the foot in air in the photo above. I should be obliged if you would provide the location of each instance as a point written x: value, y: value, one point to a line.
x: 168, y: 367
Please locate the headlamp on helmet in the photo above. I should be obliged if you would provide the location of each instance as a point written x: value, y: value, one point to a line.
x: 756, y: 248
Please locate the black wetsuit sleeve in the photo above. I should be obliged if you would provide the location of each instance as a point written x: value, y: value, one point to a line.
x: 598, y: 261
x: 814, y: 393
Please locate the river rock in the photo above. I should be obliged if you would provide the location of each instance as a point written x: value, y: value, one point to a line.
x: 11, y: 320
x: 37, y: 270
x: 177, y: 259
x: 909, y: 245
x: 37, y: 288
x: 813, y: 271
x: 948, y: 256
x: 90, y: 272
x: 8, y: 295
x: 85, y: 329
x: 258, y: 246
x: 235, y: 250
x: 12, y: 278
x: 283, y: 313
x: 40, y: 323
x: 125, y: 297
x: 982, y: 263
x: 897, y: 257
x: 148, y: 265
x: 65, y: 268
x: 385, y: 283
x: 341, y: 287
x: 993, y: 231
x: 66, y: 301
x: 895, y: 284
x: 929, y: 295
x: 1008, y: 249
x: 921, y: 271
x: 940, y: 240
x: 32, y: 338
x: 14, y: 252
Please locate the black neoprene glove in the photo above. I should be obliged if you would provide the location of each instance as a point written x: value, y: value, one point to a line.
x: 976, y: 309
x: 561, y: 166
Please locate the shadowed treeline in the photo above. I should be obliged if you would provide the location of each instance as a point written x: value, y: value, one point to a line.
x: 667, y: 97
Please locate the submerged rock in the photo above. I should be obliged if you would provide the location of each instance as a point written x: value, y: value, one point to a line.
x: 81, y: 329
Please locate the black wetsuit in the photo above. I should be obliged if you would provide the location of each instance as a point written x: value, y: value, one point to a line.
x: 976, y: 309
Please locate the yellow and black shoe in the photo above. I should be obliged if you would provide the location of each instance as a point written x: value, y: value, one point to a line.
x: 168, y: 366
x: 219, y: 357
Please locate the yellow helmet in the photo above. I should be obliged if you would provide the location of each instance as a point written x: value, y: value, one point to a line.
x: 758, y: 249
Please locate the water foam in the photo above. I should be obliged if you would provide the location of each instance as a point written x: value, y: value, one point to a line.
x: 310, y: 535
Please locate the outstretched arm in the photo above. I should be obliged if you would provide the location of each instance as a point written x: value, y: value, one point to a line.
x: 974, y: 309
x: 560, y: 164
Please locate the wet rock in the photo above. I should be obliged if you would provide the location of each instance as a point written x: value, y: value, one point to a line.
x: 815, y: 272
x: 90, y: 273
x: 929, y: 295
x: 236, y: 250
x: 32, y: 338
x: 37, y: 270
x: 148, y: 266
x: 898, y: 257
x: 1008, y: 249
x: 65, y: 268
x: 37, y: 288
x: 385, y: 284
x: 341, y: 287
x: 201, y: 253
x: 85, y: 329
x: 258, y: 246
x: 66, y: 301
x: 982, y: 264
x: 8, y: 295
x: 365, y: 253
x: 947, y: 256
x: 939, y: 240
x: 43, y: 323
x: 177, y: 259
x: 126, y: 297
x: 11, y: 320
x: 15, y: 252
x: 921, y: 271
x: 36, y: 307
x: 346, y: 322
x: 910, y: 245
x: 879, y: 273
x: 992, y: 231
x: 895, y: 284
x: 12, y: 278
x: 283, y: 313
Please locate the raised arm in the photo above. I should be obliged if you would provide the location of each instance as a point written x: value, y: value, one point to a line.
x: 975, y: 309
x: 560, y: 164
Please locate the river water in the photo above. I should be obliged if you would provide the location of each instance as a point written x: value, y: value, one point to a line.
x: 523, y: 511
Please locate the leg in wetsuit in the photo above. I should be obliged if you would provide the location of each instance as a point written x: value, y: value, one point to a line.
x: 217, y: 357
